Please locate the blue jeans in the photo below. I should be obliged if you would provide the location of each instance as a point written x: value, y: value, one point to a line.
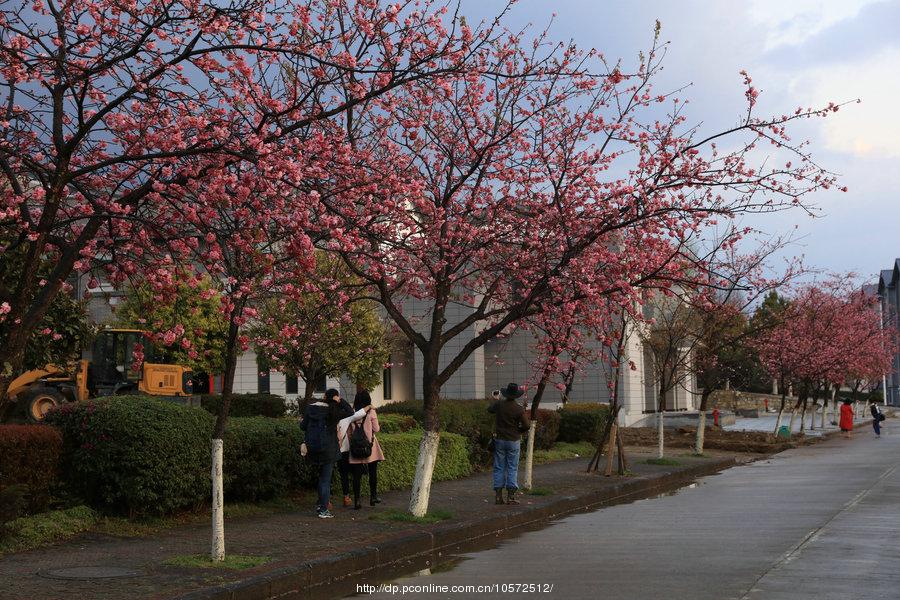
x: 506, y: 464
x: 324, y: 485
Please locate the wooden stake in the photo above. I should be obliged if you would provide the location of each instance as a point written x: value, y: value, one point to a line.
x: 612, y: 445
x: 623, y: 464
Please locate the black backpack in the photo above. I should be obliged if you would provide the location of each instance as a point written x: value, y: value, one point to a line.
x: 316, y: 434
x: 360, y: 445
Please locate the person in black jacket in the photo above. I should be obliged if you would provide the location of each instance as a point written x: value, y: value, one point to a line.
x: 511, y: 421
x: 320, y: 421
x: 877, y: 418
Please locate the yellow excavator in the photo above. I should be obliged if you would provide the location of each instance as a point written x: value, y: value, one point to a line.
x: 110, y: 368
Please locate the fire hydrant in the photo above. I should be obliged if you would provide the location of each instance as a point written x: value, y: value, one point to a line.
x: 716, y: 417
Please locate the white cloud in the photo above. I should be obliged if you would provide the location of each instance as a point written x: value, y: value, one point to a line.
x: 869, y: 129
x: 793, y: 22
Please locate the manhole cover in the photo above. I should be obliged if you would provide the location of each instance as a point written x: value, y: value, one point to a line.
x: 89, y: 573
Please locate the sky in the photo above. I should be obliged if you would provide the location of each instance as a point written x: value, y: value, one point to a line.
x: 799, y: 53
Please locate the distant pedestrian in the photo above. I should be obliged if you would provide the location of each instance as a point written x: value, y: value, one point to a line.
x: 319, y: 421
x: 511, y: 422
x: 344, y: 441
x: 846, y: 422
x: 877, y: 418
x: 365, y: 451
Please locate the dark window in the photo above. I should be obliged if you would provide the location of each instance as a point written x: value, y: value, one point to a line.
x: 290, y: 384
x: 262, y: 379
x: 320, y: 384
x: 386, y: 384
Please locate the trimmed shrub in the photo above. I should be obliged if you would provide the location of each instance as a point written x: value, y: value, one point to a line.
x: 262, y: 458
x: 468, y: 418
x: 401, y: 450
x: 547, y: 430
x: 581, y: 422
x: 29, y: 466
x: 135, y: 454
x: 397, y: 423
x: 246, y: 405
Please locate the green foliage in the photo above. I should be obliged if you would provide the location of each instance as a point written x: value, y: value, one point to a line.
x: 397, y: 423
x: 262, y: 458
x: 29, y: 465
x: 665, y: 462
x: 66, y: 323
x: 27, y: 533
x: 333, y: 337
x: 540, y: 491
x: 547, y: 430
x: 203, y: 561
x: 246, y: 405
x: 401, y: 450
x: 135, y: 454
x: 582, y: 422
x: 399, y: 516
x: 468, y: 418
x: 196, y: 307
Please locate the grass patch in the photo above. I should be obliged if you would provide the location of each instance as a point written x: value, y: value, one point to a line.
x: 392, y: 514
x: 666, y: 462
x: 232, y: 561
x: 540, y: 491
x: 28, y: 533
x: 693, y: 455
x: 563, y: 451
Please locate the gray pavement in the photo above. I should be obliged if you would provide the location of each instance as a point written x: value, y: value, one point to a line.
x: 816, y: 522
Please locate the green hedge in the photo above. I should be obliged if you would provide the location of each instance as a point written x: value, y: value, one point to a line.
x: 246, y: 405
x: 29, y: 464
x: 262, y: 458
x: 401, y: 450
x: 135, y: 454
x: 468, y: 418
x: 581, y: 422
x: 397, y: 423
x: 547, y: 430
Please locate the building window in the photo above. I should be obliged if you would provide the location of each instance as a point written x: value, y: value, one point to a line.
x: 262, y: 379
x: 320, y: 384
x: 290, y: 384
x: 386, y: 384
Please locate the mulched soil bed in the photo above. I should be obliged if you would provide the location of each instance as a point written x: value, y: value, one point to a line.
x: 757, y: 442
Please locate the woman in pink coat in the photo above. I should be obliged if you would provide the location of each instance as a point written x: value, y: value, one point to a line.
x: 360, y: 465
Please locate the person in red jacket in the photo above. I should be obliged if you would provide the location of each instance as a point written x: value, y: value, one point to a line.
x: 846, y: 417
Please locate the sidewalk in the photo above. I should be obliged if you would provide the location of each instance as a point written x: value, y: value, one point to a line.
x: 296, y: 537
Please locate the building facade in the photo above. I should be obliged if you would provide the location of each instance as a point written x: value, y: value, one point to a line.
x: 889, y: 298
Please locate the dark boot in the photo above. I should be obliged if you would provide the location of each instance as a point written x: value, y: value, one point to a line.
x: 511, y: 496
x: 498, y: 496
x: 356, y: 503
x: 374, y: 500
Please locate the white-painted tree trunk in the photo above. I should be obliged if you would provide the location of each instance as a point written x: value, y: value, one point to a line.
x: 812, y: 417
x: 793, y: 416
x: 701, y: 431
x: 778, y: 420
x: 421, y: 489
x: 824, y: 410
x: 802, y: 419
x: 661, y: 433
x: 529, y: 455
x: 217, y: 548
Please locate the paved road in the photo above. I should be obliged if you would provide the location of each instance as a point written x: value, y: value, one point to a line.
x: 818, y: 522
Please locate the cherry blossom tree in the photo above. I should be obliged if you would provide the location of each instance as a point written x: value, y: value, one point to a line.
x: 109, y: 106
x: 538, y: 170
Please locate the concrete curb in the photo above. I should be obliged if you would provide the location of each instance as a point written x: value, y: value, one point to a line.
x: 310, y: 579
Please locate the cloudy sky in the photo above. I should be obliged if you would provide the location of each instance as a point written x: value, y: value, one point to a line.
x: 799, y: 53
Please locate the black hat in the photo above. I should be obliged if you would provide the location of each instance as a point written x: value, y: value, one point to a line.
x: 511, y: 391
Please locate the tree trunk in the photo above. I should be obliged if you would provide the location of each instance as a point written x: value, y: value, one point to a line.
x: 780, y: 410
x: 623, y: 464
x: 660, y: 420
x: 529, y: 455
x: 217, y: 548
x: 701, y: 421
x: 532, y: 430
x: 803, y: 416
x: 309, y: 388
x: 428, y: 448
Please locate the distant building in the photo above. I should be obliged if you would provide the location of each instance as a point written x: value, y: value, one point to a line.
x: 889, y: 296
x: 490, y: 367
